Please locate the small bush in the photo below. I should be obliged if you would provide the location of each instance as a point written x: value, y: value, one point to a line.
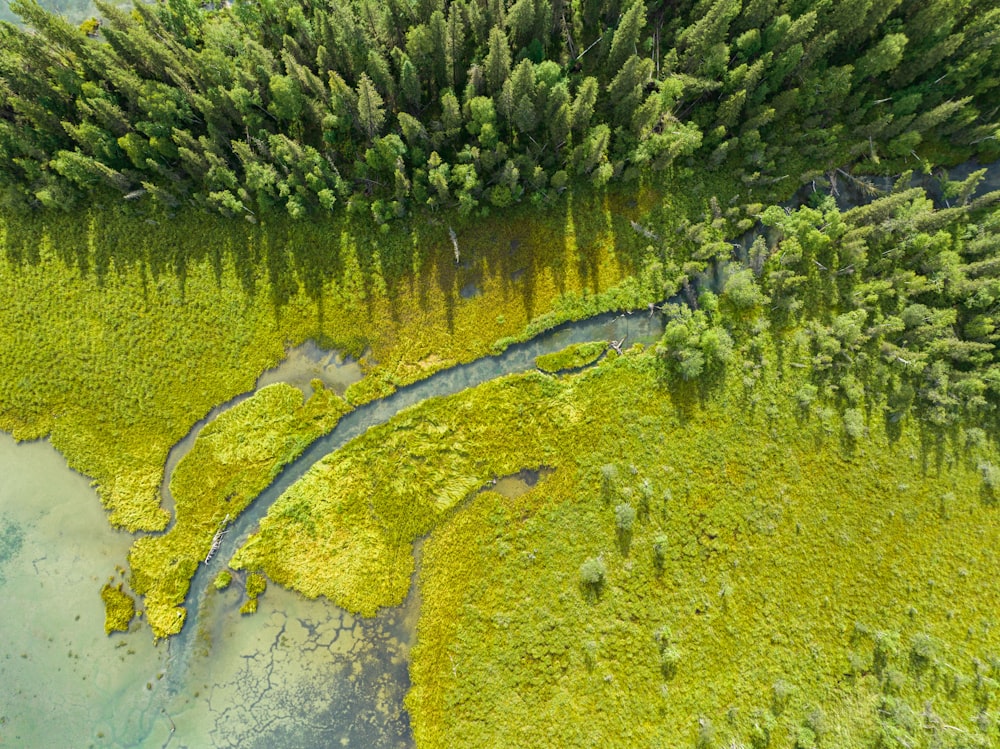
x: 806, y: 395
x: 119, y: 608
x: 781, y: 693
x: 670, y: 657
x: 660, y: 550
x: 609, y: 480
x: 706, y: 734
x: 256, y: 584
x: 624, y: 518
x: 990, y: 474
x: 975, y: 438
x: 854, y: 424
x: 923, y: 652
x: 593, y: 572
x: 816, y: 722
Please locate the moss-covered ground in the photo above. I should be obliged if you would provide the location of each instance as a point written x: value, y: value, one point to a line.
x: 762, y: 577
x: 115, y: 361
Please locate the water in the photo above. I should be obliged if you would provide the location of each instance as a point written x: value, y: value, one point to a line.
x: 64, y: 684
x: 299, y: 368
x: 637, y: 327
x: 297, y: 674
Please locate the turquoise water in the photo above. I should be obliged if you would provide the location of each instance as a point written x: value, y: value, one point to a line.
x: 62, y: 682
x: 298, y: 673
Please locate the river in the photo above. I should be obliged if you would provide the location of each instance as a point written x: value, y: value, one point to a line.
x: 298, y: 673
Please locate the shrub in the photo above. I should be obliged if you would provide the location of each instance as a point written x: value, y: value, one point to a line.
x: 975, y: 438
x: 706, y: 734
x: 624, y: 518
x: 670, y: 657
x: 781, y: 693
x: 609, y: 480
x: 854, y: 423
x: 806, y: 395
x: 119, y: 608
x: 660, y: 550
x: 990, y: 474
x: 593, y: 572
x: 816, y: 722
x: 923, y: 651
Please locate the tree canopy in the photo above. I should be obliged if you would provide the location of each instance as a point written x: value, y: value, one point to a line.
x: 305, y: 107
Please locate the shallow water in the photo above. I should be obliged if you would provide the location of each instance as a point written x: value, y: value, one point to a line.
x: 297, y: 674
x: 299, y: 368
x: 62, y: 682
x: 637, y: 327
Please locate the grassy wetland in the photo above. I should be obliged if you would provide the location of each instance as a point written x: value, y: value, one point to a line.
x: 770, y: 529
x: 775, y: 527
x: 762, y: 573
x: 233, y: 459
x: 115, y: 360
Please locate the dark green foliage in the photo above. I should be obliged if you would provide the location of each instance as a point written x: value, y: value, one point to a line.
x: 893, y: 296
x: 261, y: 107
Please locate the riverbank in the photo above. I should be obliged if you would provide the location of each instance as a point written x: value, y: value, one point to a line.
x: 117, y: 362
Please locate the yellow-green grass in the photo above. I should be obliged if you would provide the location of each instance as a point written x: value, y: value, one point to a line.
x: 802, y: 574
x: 223, y: 580
x: 808, y: 587
x: 233, y: 459
x: 119, y: 608
x: 116, y: 360
x: 255, y: 586
x: 345, y: 529
x: 572, y: 357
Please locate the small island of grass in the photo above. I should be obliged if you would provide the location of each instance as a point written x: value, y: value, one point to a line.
x: 572, y: 357
x: 119, y: 608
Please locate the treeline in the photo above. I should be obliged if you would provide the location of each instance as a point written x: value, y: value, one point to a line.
x: 391, y: 104
x: 894, y: 300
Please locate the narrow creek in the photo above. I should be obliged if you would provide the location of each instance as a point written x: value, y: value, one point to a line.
x: 637, y: 326
x: 299, y: 673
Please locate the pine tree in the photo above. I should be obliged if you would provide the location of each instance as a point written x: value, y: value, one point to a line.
x: 409, y: 84
x: 583, y: 105
x: 455, y: 53
x: 625, y: 41
x: 496, y: 65
x: 371, y: 115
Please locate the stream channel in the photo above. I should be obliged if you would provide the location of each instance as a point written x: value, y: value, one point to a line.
x: 299, y: 673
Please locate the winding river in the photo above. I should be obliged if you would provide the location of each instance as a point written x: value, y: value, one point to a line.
x: 297, y: 674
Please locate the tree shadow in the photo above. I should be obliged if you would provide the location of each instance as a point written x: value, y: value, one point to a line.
x: 588, y: 220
